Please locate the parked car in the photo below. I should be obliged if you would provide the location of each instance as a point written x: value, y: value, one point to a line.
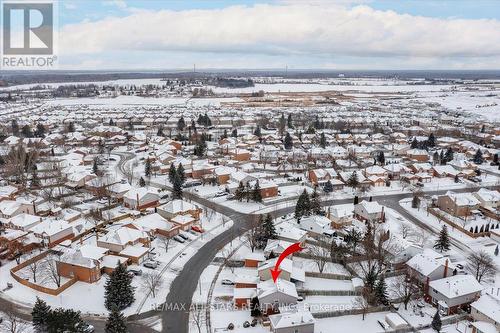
x: 179, y: 239
x: 460, y: 266
x: 227, y: 282
x: 183, y: 236
x: 220, y: 194
x: 150, y: 264
x: 197, y: 228
x: 192, y: 184
x: 135, y: 271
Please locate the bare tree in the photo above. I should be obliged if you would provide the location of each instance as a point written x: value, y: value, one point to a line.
x: 197, y: 315
x: 226, y: 259
x: 151, y: 282
x: 405, y: 288
x: 360, y: 302
x: 405, y: 229
x: 321, y: 253
x: 11, y: 323
x: 164, y: 242
x: 481, y: 265
x: 51, y: 270
x: 33, y: 268
x: 252, y: 235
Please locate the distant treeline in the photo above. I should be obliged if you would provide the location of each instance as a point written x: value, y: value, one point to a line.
x: 16, y: 78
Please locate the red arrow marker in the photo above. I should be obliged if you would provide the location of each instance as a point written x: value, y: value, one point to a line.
x: 289, y: 250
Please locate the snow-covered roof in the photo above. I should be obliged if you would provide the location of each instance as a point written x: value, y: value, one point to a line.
x: 282, y: 286
x: 178, y: 206
x: 426, y: 262
x: 291, y: 319
x: 456, y: 286
x: 488, y: 305
x: 463, y: 199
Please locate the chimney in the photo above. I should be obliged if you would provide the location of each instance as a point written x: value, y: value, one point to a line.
x: 445, y: 274
x: 137, y: 200
x: 426, y: 287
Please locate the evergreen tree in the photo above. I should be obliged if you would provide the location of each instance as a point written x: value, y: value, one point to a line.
x: 15, y: 127
x: 39, y: 315
x: 435, y: 158
x: 317, y: 124
x: 181, y: 124
x: 288, y: 143
x: 381, y: 291
x: 256, y: 195
x: 415, y: 202
x: 328, y: 188
x: 255, y: 307
x: 181, y: 173
x: 353, y: 180
x: 356, y: 200
x: 431, y: 140
x: 234, y: 133
x: 26, y: 131
x: 257, y: 131
x: 147, y: 168
x: 381, y: 158
x: 442, y: 160
x: 495, y: 159
x: 160, y: 131
x: 449, y: 155
x: 171, y: 173
x: 201, y: 147
x: 177, y: 187
x: 115, y: 322
x: 478, y: 157
x: 239, y: 194
x: 248, y: 192
x: 118, y: 290
x: 40, y: 131
x: 35, y: 180
x: 130, y: 124
x: 282, y: 123
x: 269, y: 229
x: 64, y: 320
x: 436, y: 322
x: 71, y: 127
x: 322, y: 140
x: 142, y: 182
x: 443, y: 241
x: 496, y: 251
x: 289, y: 121
x: 414, y: 144
x: 315, y: 203
x: 111, y: 122
x: 303, y: 206
x: 95, y: 167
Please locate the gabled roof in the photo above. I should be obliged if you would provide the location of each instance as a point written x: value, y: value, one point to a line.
x: 456, y: 286
x: 291, y: 319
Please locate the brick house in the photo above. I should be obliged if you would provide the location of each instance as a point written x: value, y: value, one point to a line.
x: 458, y: 204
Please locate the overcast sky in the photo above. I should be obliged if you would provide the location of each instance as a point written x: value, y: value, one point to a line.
x: 388, y: 34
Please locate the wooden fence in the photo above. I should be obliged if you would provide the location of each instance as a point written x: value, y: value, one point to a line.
x: 339, y: 313
x: 443, y: 218
x: 46, y: 290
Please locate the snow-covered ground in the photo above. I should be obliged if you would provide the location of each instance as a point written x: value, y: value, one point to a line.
x: 89, y: 298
